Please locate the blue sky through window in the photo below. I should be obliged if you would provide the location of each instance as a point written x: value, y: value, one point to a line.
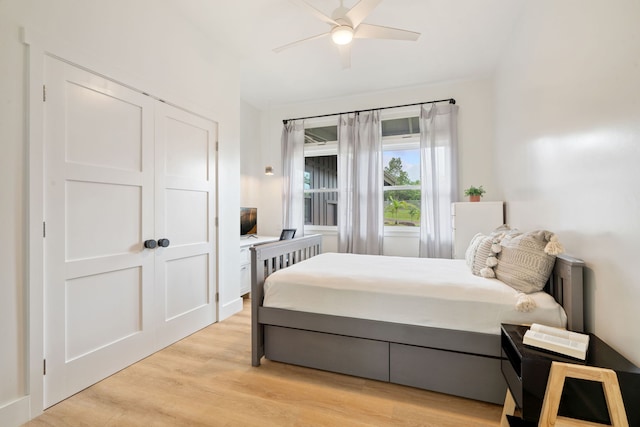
x: 410, y: 161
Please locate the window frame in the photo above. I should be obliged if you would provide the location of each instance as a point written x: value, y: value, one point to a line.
x: 396, y: 143
x: 389, y: 143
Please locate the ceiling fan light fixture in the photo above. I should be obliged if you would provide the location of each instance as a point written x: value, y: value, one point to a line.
x: 342, y: 34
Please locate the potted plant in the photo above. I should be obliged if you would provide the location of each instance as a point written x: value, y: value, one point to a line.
x: 474, y: 193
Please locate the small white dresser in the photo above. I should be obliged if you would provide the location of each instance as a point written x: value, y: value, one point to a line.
x: 245, y: 259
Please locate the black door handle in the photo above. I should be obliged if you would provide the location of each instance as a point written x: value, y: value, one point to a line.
x: 163, y: 242
x: 149, y: 244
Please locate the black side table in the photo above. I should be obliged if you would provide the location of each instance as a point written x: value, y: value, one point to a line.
x: 526, y: 370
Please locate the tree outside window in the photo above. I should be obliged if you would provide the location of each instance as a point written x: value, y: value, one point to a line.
x: 401, y: 192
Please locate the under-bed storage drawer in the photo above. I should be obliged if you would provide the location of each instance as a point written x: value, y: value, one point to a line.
x: 336, y: 353
x: 448, y: 372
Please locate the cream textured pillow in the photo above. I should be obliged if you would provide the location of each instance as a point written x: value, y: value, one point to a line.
x: 470, y: 254
x: 483, y: 252
x: 526, y: 260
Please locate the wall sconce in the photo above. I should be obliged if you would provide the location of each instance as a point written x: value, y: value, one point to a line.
x: 268, y: 170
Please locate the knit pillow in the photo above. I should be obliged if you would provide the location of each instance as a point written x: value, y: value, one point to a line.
x: 526, y: 260
x: 482, y: 253
x: 492, y: 259
x: 470, y: 254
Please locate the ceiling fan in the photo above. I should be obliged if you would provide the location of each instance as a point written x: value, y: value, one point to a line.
x: 346, y: 24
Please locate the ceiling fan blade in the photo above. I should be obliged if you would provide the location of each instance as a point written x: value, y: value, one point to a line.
x: 345, y: 55
x: 321, y: 16
x: 361, y: 10
x: 287, y: 46
x: 368, y: 31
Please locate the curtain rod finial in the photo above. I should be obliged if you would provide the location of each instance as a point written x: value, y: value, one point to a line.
x: 452, y: 101
x: 284, y: 122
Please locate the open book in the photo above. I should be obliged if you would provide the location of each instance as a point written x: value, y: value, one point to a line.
x: 557, y: 340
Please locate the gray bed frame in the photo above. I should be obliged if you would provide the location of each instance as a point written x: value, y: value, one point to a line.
x: 460, y: 363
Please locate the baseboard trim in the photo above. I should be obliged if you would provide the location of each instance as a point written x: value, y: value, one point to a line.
x: 15, y: 413
x: 230, y: 308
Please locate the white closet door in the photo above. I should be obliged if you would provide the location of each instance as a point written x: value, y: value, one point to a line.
x: 99, y: 208
x: 185, y: 215
x: 122, y: 169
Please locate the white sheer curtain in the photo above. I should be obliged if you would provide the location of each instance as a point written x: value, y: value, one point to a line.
x: 439, y: 172
x: 293, y: 175
x: 360, y: 215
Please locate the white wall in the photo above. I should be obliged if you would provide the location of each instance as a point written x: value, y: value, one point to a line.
x: 568, y: 147
x: 250, y: 157
x: 475, y: 133
x: 143, y: 43
x: 251, y: 162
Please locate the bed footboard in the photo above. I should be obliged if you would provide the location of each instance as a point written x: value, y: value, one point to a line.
x: 265, y: 260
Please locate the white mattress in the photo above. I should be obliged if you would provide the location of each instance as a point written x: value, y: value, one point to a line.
x: 432, y: 292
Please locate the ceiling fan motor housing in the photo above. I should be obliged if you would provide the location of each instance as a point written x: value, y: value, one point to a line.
x: 342, y: 34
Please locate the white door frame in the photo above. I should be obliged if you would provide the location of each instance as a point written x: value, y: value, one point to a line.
x: 39, y: 46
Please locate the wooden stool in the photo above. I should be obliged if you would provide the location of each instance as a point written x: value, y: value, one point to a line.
x: 549, y: 413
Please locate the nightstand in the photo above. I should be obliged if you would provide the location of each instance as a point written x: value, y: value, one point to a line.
x: 526, y: 370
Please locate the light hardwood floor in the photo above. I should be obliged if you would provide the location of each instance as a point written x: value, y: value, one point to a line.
x: 207, y: 380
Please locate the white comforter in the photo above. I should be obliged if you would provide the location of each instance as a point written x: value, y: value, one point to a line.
x: 432, y: 292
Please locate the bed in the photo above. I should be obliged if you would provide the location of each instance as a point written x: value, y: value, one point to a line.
x: 424, y: 351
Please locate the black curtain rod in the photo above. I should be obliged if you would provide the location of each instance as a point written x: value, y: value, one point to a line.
x: 450, y: 100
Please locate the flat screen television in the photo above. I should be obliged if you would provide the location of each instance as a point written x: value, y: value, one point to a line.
x: 248, y: 221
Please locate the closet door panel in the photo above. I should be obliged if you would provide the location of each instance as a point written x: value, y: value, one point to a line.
x: 187, y: 148
x: 102, y: 219
x: 103, y: 129
x: 185, y: 215
x: 91, y: 324
x: 99, y: 208
x: 182, y: 300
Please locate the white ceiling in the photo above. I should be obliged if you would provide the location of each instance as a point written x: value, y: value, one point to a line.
x: 460, y: 39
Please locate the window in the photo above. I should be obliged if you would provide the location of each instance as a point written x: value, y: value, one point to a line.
x: 321, y: 190
x: 321, y: 134
x: 401, y: 186
x: 401, y: 159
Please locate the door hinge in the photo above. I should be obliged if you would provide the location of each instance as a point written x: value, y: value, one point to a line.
x: 44, y: 367
x: 216, y: 221
x: 44, y: 93
x: 44, y: 229
x: 217, y: 146
x: 217, y: 297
